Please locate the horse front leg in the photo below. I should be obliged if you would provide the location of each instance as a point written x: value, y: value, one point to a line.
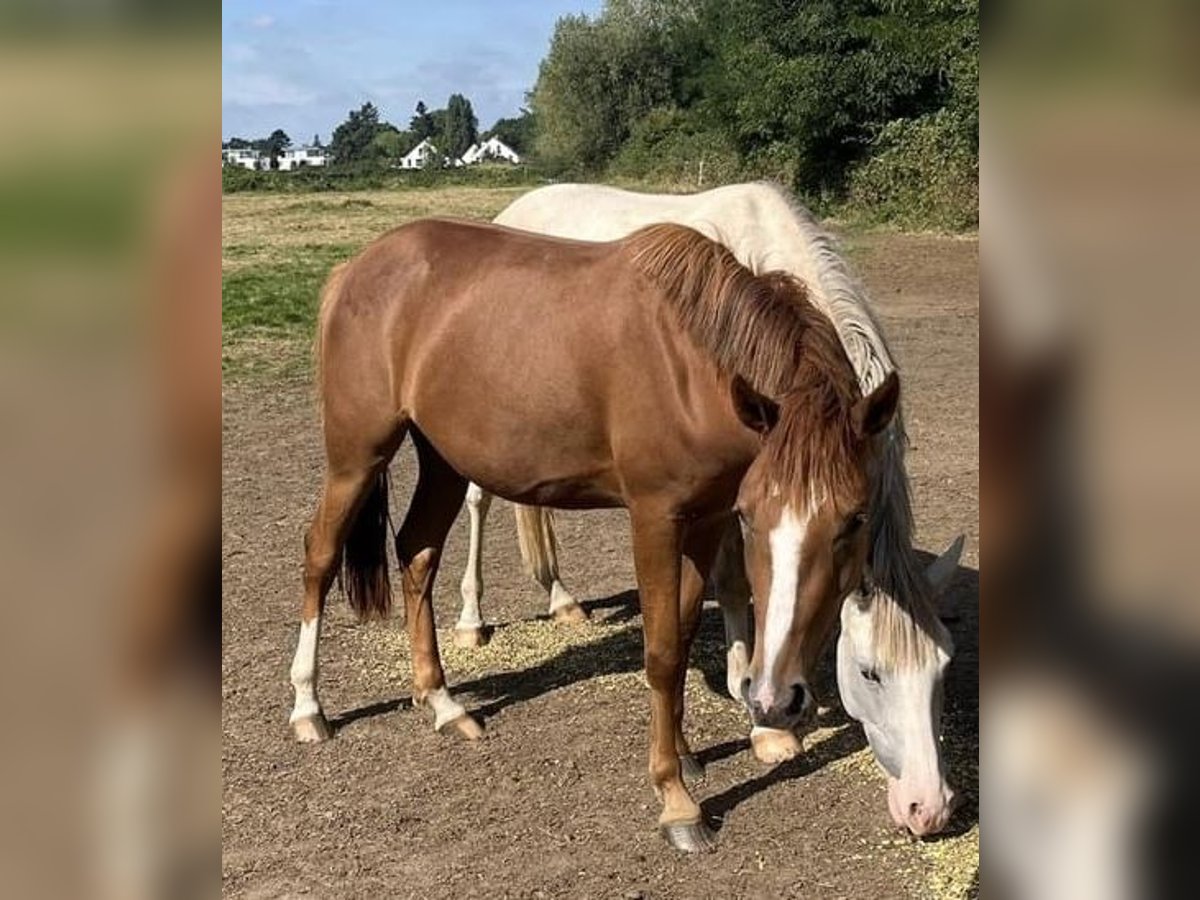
x: 699, y: 550
x: 657, y: 545
x: 733, y: 595
x: 468, y: 632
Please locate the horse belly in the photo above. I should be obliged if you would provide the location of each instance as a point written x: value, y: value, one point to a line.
x: 526, y: 460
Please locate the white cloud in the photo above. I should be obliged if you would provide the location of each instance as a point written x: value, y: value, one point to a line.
x: 262, y: 21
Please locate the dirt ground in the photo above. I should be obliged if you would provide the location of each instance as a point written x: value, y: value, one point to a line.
x: 555, y: 801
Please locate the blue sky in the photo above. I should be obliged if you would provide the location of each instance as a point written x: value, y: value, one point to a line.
x: 302, y: 65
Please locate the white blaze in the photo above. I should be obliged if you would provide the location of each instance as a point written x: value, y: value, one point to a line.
x: 785, y: 540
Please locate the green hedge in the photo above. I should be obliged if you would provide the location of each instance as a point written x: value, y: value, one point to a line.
x: 922, y: 173
x: 667, y: 148
x: 370, y: 177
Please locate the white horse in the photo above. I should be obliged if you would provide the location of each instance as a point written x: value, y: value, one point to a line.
x: 893, y: 650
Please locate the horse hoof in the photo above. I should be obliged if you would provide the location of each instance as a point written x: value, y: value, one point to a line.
x: 312, y: 729
x: 773, y: 746
x: 469, y: 638
x: 466, y: 727
x: 570, y: 614
x: 691, y: 767
x: 689, y: 837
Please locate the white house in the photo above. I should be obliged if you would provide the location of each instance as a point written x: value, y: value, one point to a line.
x: 418, y: 156
x: 491, y: 149
x: 295, y: 157
x: 244, y: 157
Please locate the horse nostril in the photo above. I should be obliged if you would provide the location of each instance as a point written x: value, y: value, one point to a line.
x: 913, y: 809
x: 799, y: 700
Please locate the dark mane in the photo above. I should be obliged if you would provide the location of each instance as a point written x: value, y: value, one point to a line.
x: 763, y: 328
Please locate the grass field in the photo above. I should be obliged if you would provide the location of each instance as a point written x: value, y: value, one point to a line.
x: 278, y: 248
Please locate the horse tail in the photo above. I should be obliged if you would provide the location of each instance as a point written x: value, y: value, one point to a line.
x: 364, y: 561
x: 535, y: 535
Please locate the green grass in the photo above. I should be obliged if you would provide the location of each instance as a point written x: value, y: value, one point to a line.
x: 269, y: 311
x: 278, y: 248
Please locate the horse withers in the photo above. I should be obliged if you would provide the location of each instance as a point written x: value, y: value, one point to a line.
x: 692, y: 389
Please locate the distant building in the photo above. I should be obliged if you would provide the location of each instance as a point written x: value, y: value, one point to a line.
x: 491, y: 149
x: 245, y: 157
x: 297, y: 157
x: 419, y: 156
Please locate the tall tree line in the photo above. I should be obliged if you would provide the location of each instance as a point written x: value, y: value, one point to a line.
x: 366, y: 137
x: 815, y: 92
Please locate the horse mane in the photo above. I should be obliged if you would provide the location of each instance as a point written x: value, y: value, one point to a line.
x: 906, y: 629
x: 764, y: 329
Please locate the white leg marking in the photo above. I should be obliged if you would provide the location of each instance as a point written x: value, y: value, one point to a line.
x: 478, y: 503
x: 786, y: 540
x: 559, y: 597
x: 304, y: 672
x: 733, y: 596
x: 737, y: 664
x: 445, y: 708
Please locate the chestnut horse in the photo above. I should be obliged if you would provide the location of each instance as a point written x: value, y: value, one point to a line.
x: 654, y: 373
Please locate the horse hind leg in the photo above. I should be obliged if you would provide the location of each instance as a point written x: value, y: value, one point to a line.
x: 539, y: 551
x: 469, y: 632
x: 436, y: 500
x: 346, y: 490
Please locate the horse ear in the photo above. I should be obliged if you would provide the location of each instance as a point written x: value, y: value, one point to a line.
x: 873, y: 412
x: 942, y: 569
x: 756, y: 411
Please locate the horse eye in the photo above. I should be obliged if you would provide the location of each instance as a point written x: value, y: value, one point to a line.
x: 870, y: 675
x: 853, y: 524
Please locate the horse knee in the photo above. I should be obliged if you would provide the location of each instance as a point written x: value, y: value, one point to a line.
x: 661, y: 670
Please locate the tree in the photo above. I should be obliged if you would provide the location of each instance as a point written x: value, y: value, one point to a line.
x: 274, y: 146
x: 421, y: 125
x: 806, y: 91
x: 517, y: 132
x: 601, y: 75
x: 316, y: 141
x: 460, y: 128
x: 353, y: 137
x: 817, y: 82
x: 388, y: 145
